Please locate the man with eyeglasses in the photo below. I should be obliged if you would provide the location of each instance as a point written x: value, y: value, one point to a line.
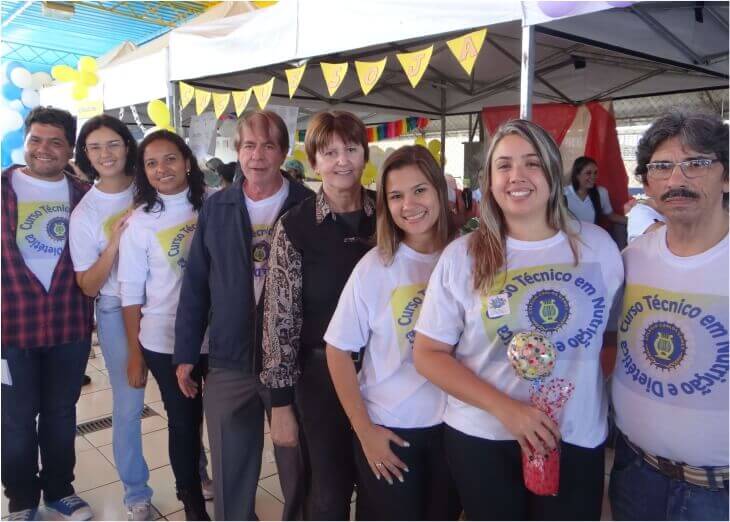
x: 46, y: 323
x: 670, y: 385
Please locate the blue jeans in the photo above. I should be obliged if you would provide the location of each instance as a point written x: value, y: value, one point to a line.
x: 639, y: 492
x: 128, y: 403
x: 46, y: 383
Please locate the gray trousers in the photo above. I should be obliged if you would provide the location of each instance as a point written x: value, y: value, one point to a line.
x: 234, y: 406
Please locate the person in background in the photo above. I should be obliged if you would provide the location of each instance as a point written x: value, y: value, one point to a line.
x: 46, y: 323
x: 169, y: 192
x: 642, y: 217
x: 517, y: 273
x: 107, y: 151
x: 587, y: 201
x: 223, y: 290
x: 227, y: 171
x: 395, y: 412
x: 315, y: 247
x: 670, y: 387
x: 295, y: 169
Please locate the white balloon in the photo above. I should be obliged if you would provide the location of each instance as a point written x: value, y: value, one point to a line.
x: 18, y: 156
x: 21, y: 77
x: 30, y: 98
x: 16, y: 105
x: 40, y: 80
x: 10, y: 120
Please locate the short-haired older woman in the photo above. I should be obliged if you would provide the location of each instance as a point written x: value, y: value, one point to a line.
x: 315, y: 246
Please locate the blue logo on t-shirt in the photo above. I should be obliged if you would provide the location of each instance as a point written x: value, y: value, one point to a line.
x: 56, y: 228
x: 548, y: 310
x: 664, y: 345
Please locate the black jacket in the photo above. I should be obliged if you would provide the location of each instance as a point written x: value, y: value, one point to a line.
x: 217, y: 287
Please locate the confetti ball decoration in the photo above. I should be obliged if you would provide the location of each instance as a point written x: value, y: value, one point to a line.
x: 532, y: 355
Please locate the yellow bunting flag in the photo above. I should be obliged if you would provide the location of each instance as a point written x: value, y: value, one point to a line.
x: 202, y: 99
x: 466, y: 48
x: 220, y: 102
x: 334, y: 74
x: 415, y: 64
x: 263, y: 93
x: 293, y: 77
x: 369, y: 73
x: 240, y: 100
x: 186, y: 94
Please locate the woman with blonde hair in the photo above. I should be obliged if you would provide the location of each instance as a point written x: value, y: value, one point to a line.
x: 525, y: 259
x: 394, y: 411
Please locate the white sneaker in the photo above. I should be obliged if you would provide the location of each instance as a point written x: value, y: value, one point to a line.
x: 141, y: 511
x: 207, y: 487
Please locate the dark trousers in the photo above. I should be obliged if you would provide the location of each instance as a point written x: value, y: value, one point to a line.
x: 184, y: 418
x: 427, y: 492
x: 46, y: 383
x: 234, y: 409
x: 328, y: 442
x: 488, y: 475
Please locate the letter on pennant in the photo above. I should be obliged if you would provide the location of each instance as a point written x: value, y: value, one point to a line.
x: 466, y: 48
x: 334, y: 74
x: 369, y: 73
x: 263, y: 92
x: 415, y: 64
x: 186, y: 94
x: 293, y: 78
x: 240, y: 100
x: 202, y: 99
x: 220, y: 102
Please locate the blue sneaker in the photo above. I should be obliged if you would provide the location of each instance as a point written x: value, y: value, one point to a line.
x: 71, y: 508
x: 24, y: 514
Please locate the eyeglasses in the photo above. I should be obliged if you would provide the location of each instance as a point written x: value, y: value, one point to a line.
x: 695, y: 168
x: 95, y: 149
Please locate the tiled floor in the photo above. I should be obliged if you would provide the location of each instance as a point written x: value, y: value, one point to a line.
x: 97, y: 481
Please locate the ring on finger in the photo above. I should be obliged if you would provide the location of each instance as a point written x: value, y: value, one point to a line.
x: 378, y: 464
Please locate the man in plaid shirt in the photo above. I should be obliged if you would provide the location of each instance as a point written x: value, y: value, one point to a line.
x: 46, y: 322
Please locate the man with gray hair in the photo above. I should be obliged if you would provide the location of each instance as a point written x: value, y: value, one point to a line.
x: 670, y: 385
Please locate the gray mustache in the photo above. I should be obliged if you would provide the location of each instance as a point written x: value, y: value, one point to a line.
x: 679, y: 193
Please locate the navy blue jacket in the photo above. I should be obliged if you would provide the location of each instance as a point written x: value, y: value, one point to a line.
x: 217, y: 287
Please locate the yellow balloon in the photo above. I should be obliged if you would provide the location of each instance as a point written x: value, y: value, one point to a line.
x: 420, y: 140
x: 435, y: 147
x: 263, y: 3
x: 64, y: 73
x: 300, y: 155
x: 369, y: 174
x: 88, y: 78
x: 79, y: 91
x: 159, y: 113
x: 87, y: 64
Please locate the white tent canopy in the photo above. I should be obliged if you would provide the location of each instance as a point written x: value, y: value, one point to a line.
x: 592, y: 53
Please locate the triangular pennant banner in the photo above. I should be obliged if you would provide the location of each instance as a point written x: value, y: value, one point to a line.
x: 263, y: 93
x: 334, y: 74
x: 186, y: 94
x: 293, y: 77
x: 466, y: 48
x: 202, y: 99
x: 240, y: 100
x: 220, y: 102
x: 415, y: 64
x: 369, y: 73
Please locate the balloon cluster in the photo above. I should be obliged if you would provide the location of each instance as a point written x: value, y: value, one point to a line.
x: 433, y: 146
x: 19, y: 95
x: 83, y: 77
x: 159, y: 113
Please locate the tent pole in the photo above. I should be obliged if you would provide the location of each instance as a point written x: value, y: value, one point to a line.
x: 527, y: 71
x: 443, y: 129
x: 174, y: 104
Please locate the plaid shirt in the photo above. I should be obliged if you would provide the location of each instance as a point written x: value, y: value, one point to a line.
x: 32, y: 317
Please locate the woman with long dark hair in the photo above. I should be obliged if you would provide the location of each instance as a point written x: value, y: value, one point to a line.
x: 586, y: 200
x: 526, y: 269
x: 169, y: 194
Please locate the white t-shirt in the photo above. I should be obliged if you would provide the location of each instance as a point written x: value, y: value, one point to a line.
x: 263, y: 216
x: 379, y: 307
x: 43, y: 212
x: 91, y: 227
x: 152, y: 256
x: 583, y: 208
x: 670, y: 388
x: 541, y: 291
x: 639, y: 218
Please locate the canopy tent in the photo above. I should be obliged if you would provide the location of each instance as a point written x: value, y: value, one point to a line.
x: 590, y: 51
